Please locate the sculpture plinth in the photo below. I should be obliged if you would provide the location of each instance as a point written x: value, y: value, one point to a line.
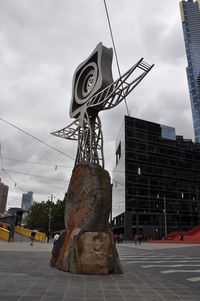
x: 87, y: 246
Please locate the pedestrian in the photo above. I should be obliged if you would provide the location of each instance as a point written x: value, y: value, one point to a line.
x: 55, y: 239
x: 32, y: 237
x: 121, y: 237
x: 139, y: 239
x: 48, y: 236
x: 136, y: 238
x: 118, y: 238
x: 10, y: 234
x: 115, y: 238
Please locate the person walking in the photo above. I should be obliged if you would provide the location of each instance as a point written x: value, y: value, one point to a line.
x: 48, y: 236
x: 115, y: 237
x: 55, y: 239
x: 32, y: 237
x: 118, y: 238
x: 136, y: 239
x: 11, y: 229
x: 121, y: 237
x: 139, y: 238
x: 9, y: 235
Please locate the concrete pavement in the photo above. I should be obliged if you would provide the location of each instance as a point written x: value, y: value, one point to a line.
x: 24, y: 245
x: 25, y: 274
x: 157, y: 246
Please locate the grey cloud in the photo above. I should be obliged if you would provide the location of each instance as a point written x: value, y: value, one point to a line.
x: 42, y: 42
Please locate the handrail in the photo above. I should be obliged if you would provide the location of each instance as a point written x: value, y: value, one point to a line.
x: 39, y: 236
x: 4, y: 234
x: 4, y: 225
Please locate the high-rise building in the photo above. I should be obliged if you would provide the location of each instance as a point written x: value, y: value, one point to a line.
x: 190, y: 15
x: 156, y: 180
x: 3, y: 197
x: 27, y: 200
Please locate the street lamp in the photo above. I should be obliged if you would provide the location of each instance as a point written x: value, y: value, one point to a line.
x: 49, y: 226
x: 51, y: 197
x: 165, y: 215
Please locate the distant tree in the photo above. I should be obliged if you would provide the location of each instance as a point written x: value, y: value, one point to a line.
x: 57, y: 216
x: 40, y: 214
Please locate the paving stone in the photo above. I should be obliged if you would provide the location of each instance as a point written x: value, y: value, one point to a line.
x: 29, y: 298
x: 74, y: 299
x: 54, y: 298
x: 31, y: 277
x: 75, y: 291
x: 9, y: 298
x: 15, y: 293
x: 115, y: 299
x: 95, y: 299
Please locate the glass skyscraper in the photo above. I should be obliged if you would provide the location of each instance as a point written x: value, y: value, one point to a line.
x: 190, y: 15
x: 27, y: 200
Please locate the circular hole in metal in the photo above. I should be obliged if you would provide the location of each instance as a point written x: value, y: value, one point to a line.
x: 89, y: 82
x: 86, y: 82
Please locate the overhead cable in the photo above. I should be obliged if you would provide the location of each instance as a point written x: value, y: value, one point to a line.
x: 32, y: 175
x: 2, y: 168
x: 55, y: 165
x: 30, y: 135
x: 16, y: 184
x: 115, y: 51
x: 37, y: 163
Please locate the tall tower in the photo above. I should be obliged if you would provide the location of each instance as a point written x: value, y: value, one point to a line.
x: 3, y: 196
x: 190, y: 15
x: 27, y: 200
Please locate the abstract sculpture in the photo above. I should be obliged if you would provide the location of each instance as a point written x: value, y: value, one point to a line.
x: 87, y: 246
x: 95, y: 91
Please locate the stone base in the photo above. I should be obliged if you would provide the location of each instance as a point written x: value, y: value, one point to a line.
x: 89, y: 199
x: 87, y: 246
x: 83, y: 252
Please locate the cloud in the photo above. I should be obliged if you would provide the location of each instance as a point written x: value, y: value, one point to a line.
x: 42, y: 42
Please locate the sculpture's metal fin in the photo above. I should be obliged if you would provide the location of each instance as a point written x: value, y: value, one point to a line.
x: 112, y: 95
x: 69, y: 132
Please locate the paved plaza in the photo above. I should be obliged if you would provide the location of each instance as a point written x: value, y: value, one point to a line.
x: 151, y: 272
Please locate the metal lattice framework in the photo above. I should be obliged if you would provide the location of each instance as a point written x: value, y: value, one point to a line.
x: 87, y: 127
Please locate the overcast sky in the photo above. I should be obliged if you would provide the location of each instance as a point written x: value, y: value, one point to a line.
x: 41, y: 44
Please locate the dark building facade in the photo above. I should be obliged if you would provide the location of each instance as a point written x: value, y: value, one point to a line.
x: 190, y: 15
x: 156, y: 181
x: 13, y: 216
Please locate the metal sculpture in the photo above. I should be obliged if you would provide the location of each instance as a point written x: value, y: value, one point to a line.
x: 94, y: 91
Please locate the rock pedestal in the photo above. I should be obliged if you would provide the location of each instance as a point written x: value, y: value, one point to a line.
x: 87, y: 246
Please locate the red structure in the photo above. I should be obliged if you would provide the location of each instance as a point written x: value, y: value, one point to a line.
x: 190, y: 237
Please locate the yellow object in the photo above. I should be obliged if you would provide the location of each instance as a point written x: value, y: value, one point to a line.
x: 4, y: 234
x: 182, y: 12
x: 39, y: 236
x: 4, y: 225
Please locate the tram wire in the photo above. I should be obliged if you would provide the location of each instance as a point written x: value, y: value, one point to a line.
x: 115, y: 50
